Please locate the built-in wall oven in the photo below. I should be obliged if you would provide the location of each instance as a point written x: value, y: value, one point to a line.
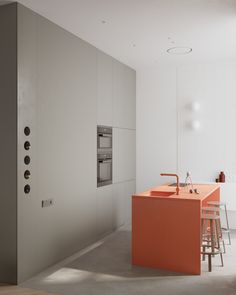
x: 104, y: 137
x: 104, y: 155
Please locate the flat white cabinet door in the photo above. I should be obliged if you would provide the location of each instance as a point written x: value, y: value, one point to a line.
x: 118, y: 205
x: 104, y: 89
x: 130, y: 187
x: 123, y: 155
x: 124, y: 93
x: 104, y: 210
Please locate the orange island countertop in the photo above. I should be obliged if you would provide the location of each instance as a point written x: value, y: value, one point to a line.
x: 166, y: 227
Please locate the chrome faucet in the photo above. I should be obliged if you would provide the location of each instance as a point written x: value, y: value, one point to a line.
x: 177, y: 178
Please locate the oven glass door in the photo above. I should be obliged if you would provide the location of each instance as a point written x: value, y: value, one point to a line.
x: 105, y: 170
x: 104, y: 141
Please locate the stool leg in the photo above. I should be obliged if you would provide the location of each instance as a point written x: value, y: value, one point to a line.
x: 227, y: 223
x: 229, y: 238
x: 203, y: 255
x: 202, y: 230
x: 209, y: 263
x: 224, y: 246
x: 221, y: 257
x: 202, y: 233
x: 218, y: 234
x: 221, y: 236
x: 212, y: 227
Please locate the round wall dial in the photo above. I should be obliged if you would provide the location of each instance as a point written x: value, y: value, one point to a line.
x: 27, y: 174
x: 27, y: 189
x: 27, y: 145
x: 27, y: 160
x: 27, y: 131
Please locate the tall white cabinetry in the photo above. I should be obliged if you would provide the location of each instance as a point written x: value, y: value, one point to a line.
x: 116, y: 107
x: 124, y: 93
x: 104, y: 89
x: 61, y: 88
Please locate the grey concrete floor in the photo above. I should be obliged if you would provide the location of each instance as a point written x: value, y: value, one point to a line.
x: 105, y: 268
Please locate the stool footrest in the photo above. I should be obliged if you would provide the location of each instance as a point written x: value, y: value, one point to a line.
x: 225, y: 230
x: 211, y: 253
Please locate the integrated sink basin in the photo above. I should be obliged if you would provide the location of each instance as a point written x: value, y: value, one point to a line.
x: 161, y: 194
x: 181, y: 184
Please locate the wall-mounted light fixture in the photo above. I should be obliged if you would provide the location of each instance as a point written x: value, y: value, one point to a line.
x: 195, y: 106
x: 195, y: 125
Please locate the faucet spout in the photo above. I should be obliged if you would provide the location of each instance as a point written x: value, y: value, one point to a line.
x: 177, y: 180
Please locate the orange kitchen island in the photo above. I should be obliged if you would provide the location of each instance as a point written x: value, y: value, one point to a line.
x: 166, y: 228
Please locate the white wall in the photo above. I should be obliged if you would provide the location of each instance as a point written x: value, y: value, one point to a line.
x: 166, y: 143
x: 156, y: 125
x: 213, y: 147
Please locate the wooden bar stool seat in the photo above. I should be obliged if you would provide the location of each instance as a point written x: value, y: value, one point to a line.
x: 216, y: 211
x: 219, y: 204
x: 210, y: 239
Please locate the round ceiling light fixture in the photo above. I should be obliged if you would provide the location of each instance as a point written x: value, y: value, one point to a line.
x: 179, y: 50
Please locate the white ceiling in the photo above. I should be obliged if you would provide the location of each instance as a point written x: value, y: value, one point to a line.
x: 138, y: 32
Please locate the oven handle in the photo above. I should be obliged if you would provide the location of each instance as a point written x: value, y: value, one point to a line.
x: 105, y: 135
x: 105, y: 161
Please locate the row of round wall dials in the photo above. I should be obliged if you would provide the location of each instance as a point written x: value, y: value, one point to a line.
x: 27, y: 160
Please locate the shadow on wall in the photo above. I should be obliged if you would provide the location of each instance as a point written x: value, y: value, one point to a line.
x: 2, y: 2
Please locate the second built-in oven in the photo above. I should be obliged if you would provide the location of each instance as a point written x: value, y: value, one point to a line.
x: 104, y: 169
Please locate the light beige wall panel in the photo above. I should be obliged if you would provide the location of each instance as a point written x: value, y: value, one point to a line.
x: 124, y: 143
x: 61, y: 108
x: 104, y: 210
x: 130, y: 189
x: 104, y: 89
x: 124, y: 96
x: 118, y: 205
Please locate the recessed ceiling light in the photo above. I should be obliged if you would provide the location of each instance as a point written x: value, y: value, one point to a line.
x: 179, y: 50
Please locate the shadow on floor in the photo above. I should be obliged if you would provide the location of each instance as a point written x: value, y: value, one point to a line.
x: 114, y: 258
x: 107, y: 270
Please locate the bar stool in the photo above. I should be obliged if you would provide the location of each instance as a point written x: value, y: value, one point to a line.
x: 219, y: 205
x: 211, y: 238
x: 216, y: 211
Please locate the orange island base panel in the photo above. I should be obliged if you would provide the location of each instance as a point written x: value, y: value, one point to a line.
x: 166, y: 227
